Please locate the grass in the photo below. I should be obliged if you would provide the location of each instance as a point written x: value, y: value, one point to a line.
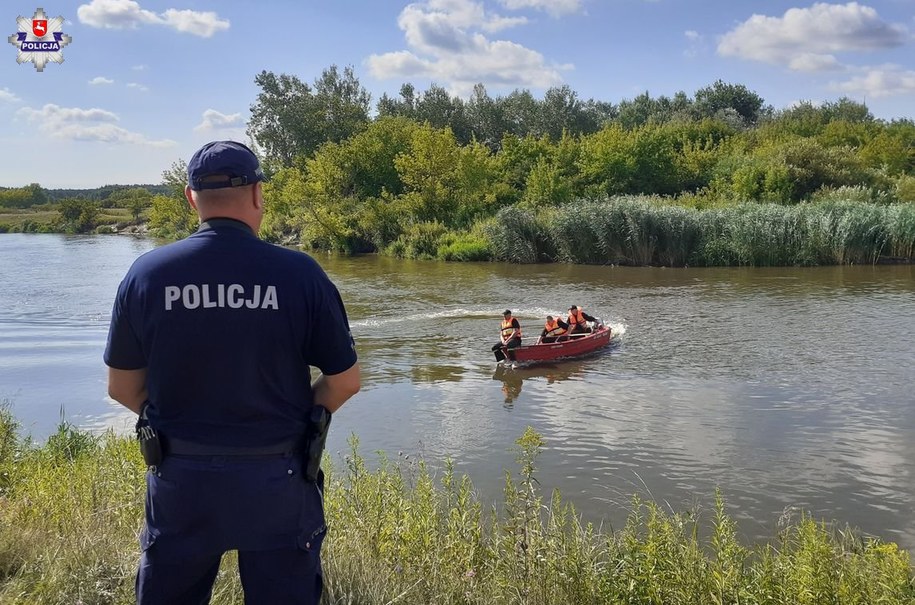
x: 646, y: 231
x: 71, y: 508
x: 43, y: 220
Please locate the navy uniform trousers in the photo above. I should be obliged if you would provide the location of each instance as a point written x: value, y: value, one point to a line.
x: 199, y: 507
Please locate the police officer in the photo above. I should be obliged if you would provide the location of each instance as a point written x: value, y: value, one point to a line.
x: 211, y: 340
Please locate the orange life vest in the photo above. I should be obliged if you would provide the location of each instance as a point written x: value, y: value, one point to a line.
x: 576, y: 318
x: 508, y: 328
x: 554, y: 329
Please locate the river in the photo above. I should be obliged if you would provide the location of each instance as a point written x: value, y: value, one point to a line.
x: 788, y: 388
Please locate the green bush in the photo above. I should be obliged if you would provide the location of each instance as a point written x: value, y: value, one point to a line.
x: 465, y: 247
x: 419, y: 240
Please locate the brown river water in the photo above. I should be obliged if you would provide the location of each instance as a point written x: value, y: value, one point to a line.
x: 787, y: 388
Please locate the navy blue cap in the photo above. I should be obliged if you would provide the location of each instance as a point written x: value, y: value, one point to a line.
x: 234, y: 162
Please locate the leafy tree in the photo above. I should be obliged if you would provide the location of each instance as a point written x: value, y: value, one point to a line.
x: 291, y: 118
x: 554, y: 179
x: 521, y: 114
x: 722, y: 96
x: 478, y: 190
x: 842, y: 132
x: 561, y: 111
x: 892, y: 148
x: 793, y: 170
x: 519, y: 156
x: 135, y: 199
x: 281, y: 122
x: 175, y: 179
x: 23, y: 197
x: 429, y: 174
x: 343, y: 103
x: 606, y: 163
x: 371, y: 155
x: 171, y: 215
x: 644, y: 110
x: 403, y: 107
x: 78, y: 215
x: 327, y: 209
x: 36, y: 195
x: 598, y: 114
x: 137, y: 205
x: 637, y: 112
x: 485, y: 118
x: 441, y: 110
x: 848, y: 110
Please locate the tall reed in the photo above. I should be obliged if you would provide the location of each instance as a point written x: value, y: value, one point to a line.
x: 646, y: 231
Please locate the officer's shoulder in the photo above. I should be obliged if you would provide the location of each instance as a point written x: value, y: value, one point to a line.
x: 156, y: 256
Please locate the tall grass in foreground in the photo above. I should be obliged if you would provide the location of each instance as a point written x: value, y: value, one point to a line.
x: 70, y: 511
x: 647, y: 231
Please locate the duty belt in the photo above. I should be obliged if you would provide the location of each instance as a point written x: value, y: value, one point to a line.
x: 181, y: 447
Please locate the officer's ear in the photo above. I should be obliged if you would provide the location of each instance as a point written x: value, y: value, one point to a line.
x: 190, y: 197
x: 257, y: 193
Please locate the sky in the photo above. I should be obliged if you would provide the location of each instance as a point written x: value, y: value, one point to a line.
x: 144, y: 83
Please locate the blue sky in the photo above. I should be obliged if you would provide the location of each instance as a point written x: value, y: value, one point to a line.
x: 145, y: 82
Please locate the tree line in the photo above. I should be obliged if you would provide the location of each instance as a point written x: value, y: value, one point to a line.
x: 427, y: 170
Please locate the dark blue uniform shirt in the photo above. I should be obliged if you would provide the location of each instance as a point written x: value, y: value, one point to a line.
x: 227, y: 326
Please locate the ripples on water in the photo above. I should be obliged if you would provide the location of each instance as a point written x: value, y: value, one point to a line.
x: 785, y: 387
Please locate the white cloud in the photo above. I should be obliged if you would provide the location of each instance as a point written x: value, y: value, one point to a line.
x: 115, y: 14
x: 695, y: 43
x: 814, y: 62
x: 7, y: 96
x: 138, y: 67
x: 215, y: 120
x: 805, y: 39
x: 884, y: 81
x: 447, y: 44
x: 137, y: 86
x: 192, y: 22
x: 77, y: 124
x: 100, y: 80
x: 553, y: 7
x: 123, y: 14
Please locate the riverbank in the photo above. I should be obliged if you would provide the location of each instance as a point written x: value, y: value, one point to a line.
x: 71, y: 508
x: 47, y: 219
x: 628, y: 230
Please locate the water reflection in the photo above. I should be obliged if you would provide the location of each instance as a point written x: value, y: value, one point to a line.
x: 513, y: 378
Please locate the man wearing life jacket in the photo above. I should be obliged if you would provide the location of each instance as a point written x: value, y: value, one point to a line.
x: 510, y: 333
x: 577, y: 321
x: 553, y: 330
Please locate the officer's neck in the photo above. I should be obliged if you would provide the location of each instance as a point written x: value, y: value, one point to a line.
x: 251, y: 221
x: 217, y: 220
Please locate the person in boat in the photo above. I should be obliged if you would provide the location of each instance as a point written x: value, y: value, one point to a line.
x: 554, y: 330
x: 510, y: 333
x: 578, y: 321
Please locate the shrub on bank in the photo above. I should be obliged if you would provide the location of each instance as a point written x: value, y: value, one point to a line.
x: 70, y: 511
x: 463, y: 247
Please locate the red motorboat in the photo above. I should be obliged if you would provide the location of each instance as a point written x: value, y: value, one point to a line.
x: 576, y: 346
